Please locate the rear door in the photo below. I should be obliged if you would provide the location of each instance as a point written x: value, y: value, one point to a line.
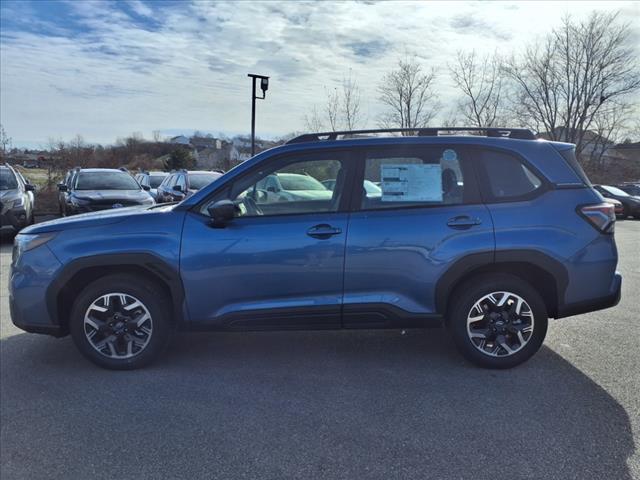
x: 416, y: 214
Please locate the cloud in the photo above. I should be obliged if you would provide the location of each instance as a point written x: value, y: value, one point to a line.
x: 105, y: 69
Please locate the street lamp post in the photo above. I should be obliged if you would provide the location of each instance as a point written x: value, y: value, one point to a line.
x: 264, y: 86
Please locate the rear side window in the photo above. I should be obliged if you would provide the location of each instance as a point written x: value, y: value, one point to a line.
x: 414, y: 177
x: 570, y: 156
x: 506, y: 177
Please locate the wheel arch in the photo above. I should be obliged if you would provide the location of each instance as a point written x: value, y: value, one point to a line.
x: 546, y: 274
x: 78, y: 273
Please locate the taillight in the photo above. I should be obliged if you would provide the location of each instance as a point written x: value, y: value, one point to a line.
x: 602, y: 216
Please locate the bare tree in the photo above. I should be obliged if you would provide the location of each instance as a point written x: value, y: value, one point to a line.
x: 351, y: 111
x: 332, y: 109
x: 5, y: 141
x: 480, y: 81
x: 342, y: 109
x: 608, y: 128
x: 580, y: 69
x: 313, y: 122
x: 408, y: 94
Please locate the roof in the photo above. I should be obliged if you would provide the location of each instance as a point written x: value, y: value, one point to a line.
x: 99, y: 170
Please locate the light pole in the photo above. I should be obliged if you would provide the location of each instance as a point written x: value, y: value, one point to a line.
x: 264, y: 86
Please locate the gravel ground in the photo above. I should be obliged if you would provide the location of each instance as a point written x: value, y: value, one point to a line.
x: 348, y: 405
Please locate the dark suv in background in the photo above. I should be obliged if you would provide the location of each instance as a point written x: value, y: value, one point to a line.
x: 488, y: 235
x: 93, y: 189
x: 152, y: 180
x: 17, y: 199
x: 182, y: 184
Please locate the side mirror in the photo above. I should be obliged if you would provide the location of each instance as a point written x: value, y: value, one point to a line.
x: 146, y: 188
x: 177, y: 188
x: 222, y: 212
x: 63, y: 188
x: 29, y: 187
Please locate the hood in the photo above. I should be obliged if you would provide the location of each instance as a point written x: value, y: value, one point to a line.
x: 93, y: 219
x: 109, y: 195
x: 9, y: 194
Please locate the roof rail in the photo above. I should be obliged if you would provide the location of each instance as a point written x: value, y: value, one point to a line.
x: 519, y: 133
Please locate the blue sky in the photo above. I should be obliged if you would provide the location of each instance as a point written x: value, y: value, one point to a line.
x: 106, y: 69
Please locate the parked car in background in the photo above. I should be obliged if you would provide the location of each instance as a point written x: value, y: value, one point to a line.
x: 31, y: 191
x: 632, y: 188
x: 94, y: 189
x: 182, y: 184
x: 64, y: 189
x: 370, y: 187
x: 16, y: 199
x: 630, y: 203
x: 618, y: 208
x: 446, y: 243
x: 151, y: 180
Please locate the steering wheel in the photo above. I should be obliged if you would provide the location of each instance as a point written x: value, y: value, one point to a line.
x: 252, y: 207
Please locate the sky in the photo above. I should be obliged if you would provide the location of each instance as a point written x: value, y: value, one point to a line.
x: 106, y: 69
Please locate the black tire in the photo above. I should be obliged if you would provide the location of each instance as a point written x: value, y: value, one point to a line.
x: 463, y: 300
x: 153, y: 299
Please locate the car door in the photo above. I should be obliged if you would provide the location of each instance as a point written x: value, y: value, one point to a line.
x: 404, y: 238
x: 277, y: 263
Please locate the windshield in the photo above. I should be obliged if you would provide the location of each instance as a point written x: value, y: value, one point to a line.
x: 106, y: 181
x: 615, y: 191
x: 293, y: 182
x: 7, y: 180
x: 156, y: 180
x: 200, y: 180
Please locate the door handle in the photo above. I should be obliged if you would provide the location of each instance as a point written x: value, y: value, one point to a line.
x: 323, y: 231
x: 463, y: 221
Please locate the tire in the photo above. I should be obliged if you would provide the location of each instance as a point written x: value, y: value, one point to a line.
x: 497, y: 342
x: 125, y: 345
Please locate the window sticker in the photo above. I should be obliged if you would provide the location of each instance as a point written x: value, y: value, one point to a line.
x: 411, y: 183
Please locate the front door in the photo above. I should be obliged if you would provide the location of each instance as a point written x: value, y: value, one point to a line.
x: 280, y: 262
x: 417, y: 214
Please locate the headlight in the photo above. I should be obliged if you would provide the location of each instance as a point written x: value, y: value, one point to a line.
x: 17, y: 203
x: 25, y: 242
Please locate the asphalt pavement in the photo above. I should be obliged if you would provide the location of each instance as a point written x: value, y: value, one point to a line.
x: 345, y: 405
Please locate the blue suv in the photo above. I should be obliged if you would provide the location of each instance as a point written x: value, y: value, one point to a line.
x: 488, y: 234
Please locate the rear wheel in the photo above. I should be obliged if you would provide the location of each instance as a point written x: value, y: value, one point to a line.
x: 497, y: 321
x: 121, y: 322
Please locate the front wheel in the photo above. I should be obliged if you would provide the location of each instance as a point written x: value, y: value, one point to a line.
x: 497, y: 321
x: 121, y: 322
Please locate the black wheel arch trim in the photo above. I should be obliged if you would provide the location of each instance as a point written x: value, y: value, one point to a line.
x: 151, y: 263
x: 472, y: 262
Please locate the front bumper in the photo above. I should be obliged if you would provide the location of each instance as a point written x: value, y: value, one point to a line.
x: 28, y: 283
x: 592, y: 305
x: 14, y: 217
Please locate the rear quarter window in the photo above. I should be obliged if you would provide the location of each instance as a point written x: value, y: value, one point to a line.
x: 506, y: 177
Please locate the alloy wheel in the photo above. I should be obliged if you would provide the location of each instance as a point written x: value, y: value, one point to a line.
x: 118, y: 325
x: 500, y: 324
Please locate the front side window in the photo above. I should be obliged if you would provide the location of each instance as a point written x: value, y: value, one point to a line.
x: 181, y: 181
x: 106, y: 181
x: 412, y: 177
x: 291, y: 186
x: 506, y: 177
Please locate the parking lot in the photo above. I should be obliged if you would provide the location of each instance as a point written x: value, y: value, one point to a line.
x: 356, y: 404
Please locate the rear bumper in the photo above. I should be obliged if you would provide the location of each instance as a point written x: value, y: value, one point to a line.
x: 608, y: 301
